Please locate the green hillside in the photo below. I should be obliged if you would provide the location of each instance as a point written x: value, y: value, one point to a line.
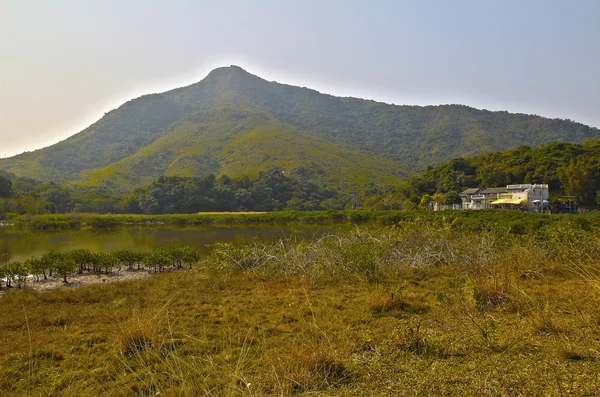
x: 238, y: 124
x: 568, y: 169
x: 246, y: 147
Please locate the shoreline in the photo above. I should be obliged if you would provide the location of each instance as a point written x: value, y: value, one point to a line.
x: 56, y: 282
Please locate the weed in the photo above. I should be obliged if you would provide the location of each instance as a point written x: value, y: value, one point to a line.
x: 415, y: 340
x: 138, y: 333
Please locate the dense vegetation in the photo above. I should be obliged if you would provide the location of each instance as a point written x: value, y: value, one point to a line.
x: 414, y: 308
x: 271, y: 191
x: 29, y: 196
x: 233, y: 123
x: 568, y: 169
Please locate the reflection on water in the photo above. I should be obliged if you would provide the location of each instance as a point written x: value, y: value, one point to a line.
x: 22, y: 244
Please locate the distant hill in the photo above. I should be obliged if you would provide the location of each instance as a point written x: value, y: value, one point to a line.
x: 235, y: 123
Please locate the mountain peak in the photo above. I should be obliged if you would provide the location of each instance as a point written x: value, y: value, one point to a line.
x: 193, y: 130
x: 232, y: 70
x: 226, y: 79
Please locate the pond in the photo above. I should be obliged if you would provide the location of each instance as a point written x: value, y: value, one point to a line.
x: 22, y: 244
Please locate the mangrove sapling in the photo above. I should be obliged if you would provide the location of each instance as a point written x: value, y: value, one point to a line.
x: 106, y: 262
x: 64, y: 266
x: 157, y: 260
x: 82, y: 258
x: 125, y: 257
x: 149, y: 261
x: 176, y: 257
x: 48, y: 260
x: 36, y: 267
x: 190, y: 257
x: 138, y: 259
x: 99, y: 261
x: 164, y: 258
x: 5, y: 274
x: 11, y: 273
x: 14, y: 273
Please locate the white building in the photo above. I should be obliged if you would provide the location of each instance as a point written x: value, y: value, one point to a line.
x: 527, y: 197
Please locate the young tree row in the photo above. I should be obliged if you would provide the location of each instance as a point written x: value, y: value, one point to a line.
x: 80, y: 261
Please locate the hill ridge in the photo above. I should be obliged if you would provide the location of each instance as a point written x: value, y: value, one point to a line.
x: 231, y: 100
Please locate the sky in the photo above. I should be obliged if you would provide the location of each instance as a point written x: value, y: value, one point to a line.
x: 64, y: 63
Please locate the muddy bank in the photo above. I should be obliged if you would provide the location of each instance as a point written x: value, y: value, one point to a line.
x: 77, y: 281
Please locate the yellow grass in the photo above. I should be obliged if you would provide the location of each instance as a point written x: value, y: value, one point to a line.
x: 448, y: 313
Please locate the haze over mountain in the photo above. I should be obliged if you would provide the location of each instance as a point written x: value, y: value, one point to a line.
x: 235, y: 123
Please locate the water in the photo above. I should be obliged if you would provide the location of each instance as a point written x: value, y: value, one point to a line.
x: 19, y: 245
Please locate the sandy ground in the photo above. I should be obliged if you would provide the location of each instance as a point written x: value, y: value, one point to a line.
x: 79, y: 280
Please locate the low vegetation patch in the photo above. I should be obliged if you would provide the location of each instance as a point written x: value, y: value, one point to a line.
x: 517, y: 222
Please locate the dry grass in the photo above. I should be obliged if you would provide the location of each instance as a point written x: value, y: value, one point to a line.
x: 421, y: 312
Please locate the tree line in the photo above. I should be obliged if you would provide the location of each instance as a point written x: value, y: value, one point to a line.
x: 270, y: 190
x: 80, y: 261
x: 569, y: 169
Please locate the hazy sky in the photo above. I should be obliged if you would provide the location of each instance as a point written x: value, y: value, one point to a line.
x: 64, y: 63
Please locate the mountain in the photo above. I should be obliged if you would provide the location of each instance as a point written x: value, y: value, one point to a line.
x: 235, y: 123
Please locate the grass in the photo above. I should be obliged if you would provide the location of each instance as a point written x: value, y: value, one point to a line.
x: 517, y: 222
x: 409, y: 309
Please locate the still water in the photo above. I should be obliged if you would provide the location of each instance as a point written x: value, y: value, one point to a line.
x: 23, y: 244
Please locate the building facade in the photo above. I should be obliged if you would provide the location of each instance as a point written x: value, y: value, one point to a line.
x: 526, y: 197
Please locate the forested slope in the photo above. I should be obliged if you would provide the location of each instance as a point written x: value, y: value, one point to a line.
x: 571, y: 169
x: 235, y: 123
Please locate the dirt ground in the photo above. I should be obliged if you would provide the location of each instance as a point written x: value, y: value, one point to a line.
x: 79, y: 280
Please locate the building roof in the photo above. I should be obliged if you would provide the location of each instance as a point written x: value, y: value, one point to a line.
x: 495, y: 190
x: 471, y: 190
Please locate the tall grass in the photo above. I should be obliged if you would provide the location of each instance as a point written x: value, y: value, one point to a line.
x: 419, y: 307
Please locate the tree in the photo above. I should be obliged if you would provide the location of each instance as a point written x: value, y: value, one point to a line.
x: 2, y: 273
x: 409, y: 205
x: 438, y: 199
x: 15, y: 273
x: 48, y: 261
x: 176, y: 256
x: 64, y: 265
x: 425, y: 202
x: 574, y: 178
x: 491, y: 177
x: 452, y: 198
x: 125, y: 257
x: 57, y: 195
x: 82, y: 257
x: 100, y: 260
x: 5, y: 187
x: 36, y: 267
x: 373, y: 202
x: 190, y: 256
x: 157, y: 260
